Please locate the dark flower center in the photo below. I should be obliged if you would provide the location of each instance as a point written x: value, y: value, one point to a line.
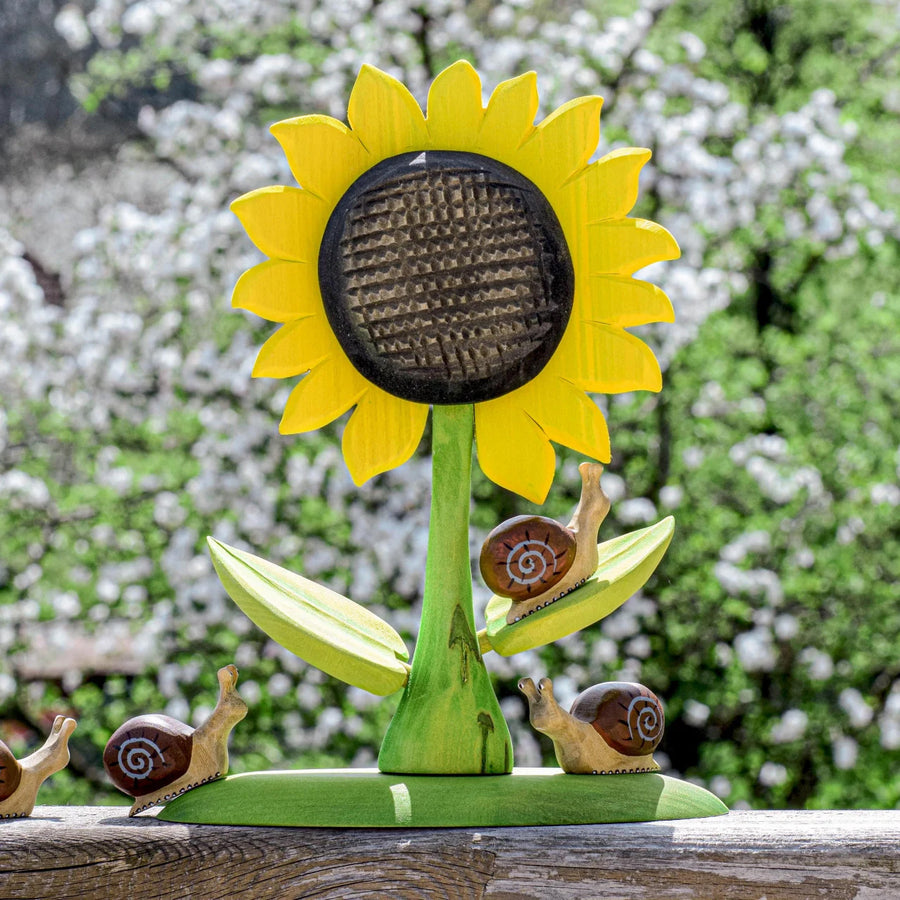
x: 446, y: 277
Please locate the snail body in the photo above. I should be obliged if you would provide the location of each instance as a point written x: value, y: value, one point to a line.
x: 611, y: 728
x: 534, y: 560
x: 21, y: 779
x: 153, y: 758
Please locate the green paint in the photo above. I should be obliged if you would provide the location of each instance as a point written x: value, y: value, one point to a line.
x: 328, y: 630
x: 625, y: 564
x: 438, y: 727
x: 462, y: 638
x: 362, y: 798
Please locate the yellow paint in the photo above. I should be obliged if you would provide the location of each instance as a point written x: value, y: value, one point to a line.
x: 509, y: 117
x: 513, y: 450
x: 567, y: 415
x: 295, y: 348
x: 625, y: 302
x: 382, y: 434
x: 325, y: 156
x: 385, y: 116
x: 622, y: 246
x: 327, y: 392
x: 454, y: 107
x: 283, y: 221
x: 279, y: 290
x: 591, y: 200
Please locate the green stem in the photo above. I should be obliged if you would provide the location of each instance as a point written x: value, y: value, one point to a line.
x: 448, y: 721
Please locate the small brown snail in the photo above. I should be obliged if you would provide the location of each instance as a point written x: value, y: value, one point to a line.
x: 535, y: 560
x: 611, y: 728
x: 154, y: 758
x: 21, y: 779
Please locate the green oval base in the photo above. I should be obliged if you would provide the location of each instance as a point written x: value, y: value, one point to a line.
x: 366, y: 798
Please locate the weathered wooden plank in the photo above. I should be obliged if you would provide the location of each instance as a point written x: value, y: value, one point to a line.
x: 96, y: 852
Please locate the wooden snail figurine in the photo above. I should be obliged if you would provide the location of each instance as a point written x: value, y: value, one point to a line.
x: 154, y: 758
x: 611, y: 728
x: 21, y: 779
x: 535, y: 561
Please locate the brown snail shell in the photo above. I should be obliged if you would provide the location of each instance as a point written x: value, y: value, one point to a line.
x: 148, y: 753
x: 628, y: 716
x: 155, y: 758
x: 535, y: 561
x: 10, y: 772
x: 526, y: 556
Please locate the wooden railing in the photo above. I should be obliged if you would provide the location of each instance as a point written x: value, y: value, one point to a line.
x: 97, y: 852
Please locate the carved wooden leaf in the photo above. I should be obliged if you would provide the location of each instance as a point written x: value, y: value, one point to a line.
x: 626, y: 562
x: 326, y: 629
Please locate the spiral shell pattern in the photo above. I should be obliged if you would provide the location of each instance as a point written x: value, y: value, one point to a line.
x: 628, y: 716
x: 526, y: 556
x: 645, y: 720
x: 138, y: 756
x: 148, y: 753
x: 531, y: 562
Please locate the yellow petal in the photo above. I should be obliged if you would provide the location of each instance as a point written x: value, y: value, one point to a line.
x: 513, y: 451
x: 284, y: 222
x: 622, y: 246
x: 279, y: 290
x: 566, y: 415
x: 324, y: 155
x: 562, y: 144
x: 625, y: 302
x: 509, y: 117
x: 605, y: 359
x: 608, y: 188
x: 385, y: 115
x: 330, y: 389
x: 454, y: 108
x: 296, y: 347
x: 382, y: 434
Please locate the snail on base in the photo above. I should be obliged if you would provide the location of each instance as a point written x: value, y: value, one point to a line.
x: 154, y: 758
x: 21, y: 779
x: 535, y: 561
x: 611, y: 728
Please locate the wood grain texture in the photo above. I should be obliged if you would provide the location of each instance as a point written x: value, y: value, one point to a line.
x: 97, y: 852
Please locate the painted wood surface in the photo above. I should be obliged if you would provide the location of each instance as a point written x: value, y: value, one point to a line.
x: 625, y: 564
x: 612, y: 727
x: 533, y: 560
x: 20, y: 780
x: 319, y: 625
x: 366, y: 798
x: 98, y: 852
x: 583, y: 216
x: 155, y: 757
x: 449, y: 720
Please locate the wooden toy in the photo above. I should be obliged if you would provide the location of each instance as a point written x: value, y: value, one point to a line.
x: 535, y: 561
x: 467, y: 264
x: 20, y: 780
x: 154, y: 758
x: 612, y: 728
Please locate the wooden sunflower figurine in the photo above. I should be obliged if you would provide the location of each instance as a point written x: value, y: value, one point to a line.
x: 467, y: 262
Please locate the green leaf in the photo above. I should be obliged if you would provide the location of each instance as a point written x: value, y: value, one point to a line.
x: 626, y: 562
x: 326, y: 629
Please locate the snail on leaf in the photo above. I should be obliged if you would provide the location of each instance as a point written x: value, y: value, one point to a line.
x: 611, y: 728
x: 154, y: 758
x: 21, y: 779
x: 535, y: 561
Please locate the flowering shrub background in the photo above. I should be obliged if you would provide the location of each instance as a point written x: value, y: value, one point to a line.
x: 130, y: 427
